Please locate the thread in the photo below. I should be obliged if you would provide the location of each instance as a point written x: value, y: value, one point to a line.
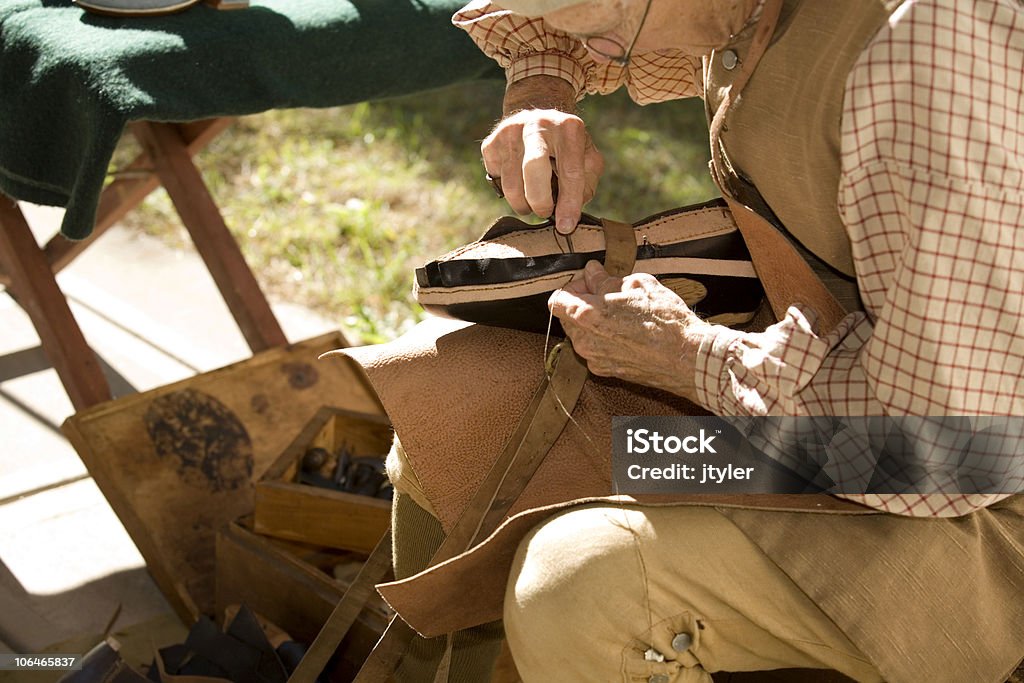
x: 547, y: 375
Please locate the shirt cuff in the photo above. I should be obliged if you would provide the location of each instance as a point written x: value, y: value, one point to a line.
x: 549, y: 63
x: 710, y: 368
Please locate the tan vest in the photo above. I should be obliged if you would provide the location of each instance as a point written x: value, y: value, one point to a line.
x: 782, y: 135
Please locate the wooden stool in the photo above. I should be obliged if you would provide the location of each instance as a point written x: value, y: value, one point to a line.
x: 29, y: 270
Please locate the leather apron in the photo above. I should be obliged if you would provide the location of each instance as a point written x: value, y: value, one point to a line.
x: 924, y: 599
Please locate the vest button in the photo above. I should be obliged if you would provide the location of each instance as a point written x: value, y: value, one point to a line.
x: 730, y: 59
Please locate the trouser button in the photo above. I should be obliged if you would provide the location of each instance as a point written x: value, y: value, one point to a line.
x: 682, y: 642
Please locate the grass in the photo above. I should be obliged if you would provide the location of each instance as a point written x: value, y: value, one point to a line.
x: 334, y: 208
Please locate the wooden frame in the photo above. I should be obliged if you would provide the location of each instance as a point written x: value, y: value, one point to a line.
x: 29, y: 269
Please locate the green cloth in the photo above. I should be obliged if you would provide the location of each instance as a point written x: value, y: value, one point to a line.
x: 70, y: 81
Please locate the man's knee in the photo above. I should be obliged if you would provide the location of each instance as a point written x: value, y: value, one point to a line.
x: 574, y: 554
x: 579, y: 602
x: 577, y: 585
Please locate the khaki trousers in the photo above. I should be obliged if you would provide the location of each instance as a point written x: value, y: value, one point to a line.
x: 660, y: 595
x: 608, y: 593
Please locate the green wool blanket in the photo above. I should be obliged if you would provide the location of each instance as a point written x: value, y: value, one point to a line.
x: 70, y: 81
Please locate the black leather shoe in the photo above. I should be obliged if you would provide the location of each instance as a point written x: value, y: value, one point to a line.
x: 505, y: 278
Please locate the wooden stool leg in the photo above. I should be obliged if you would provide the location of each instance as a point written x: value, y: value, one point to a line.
x: 213, y: 240
x: 33, y: 283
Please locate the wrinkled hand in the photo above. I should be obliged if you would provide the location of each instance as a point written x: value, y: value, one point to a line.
x: 526, y: 147
x: 632, y: 328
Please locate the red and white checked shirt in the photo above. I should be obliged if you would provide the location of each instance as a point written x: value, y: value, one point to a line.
x: 932, y: 197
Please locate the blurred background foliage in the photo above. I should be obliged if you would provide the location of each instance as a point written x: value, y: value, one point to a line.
x: 334, y: 208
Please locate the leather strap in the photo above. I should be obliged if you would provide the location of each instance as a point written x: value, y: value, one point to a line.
x: 620, y: 247
x: 345, y: 613
x: 785, y: 275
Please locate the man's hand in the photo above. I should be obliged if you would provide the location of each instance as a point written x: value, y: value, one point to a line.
x: 541, y: 135
x: 632, y: 328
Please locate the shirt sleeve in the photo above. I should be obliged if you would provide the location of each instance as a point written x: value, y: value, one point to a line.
x: 931, y: 197
x: 528, y: 47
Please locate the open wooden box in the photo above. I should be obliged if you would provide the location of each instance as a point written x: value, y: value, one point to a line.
x: 179, y: 462
x: 296, y: 511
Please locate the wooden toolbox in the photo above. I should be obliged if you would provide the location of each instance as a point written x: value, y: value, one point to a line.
x: 179, y: 462
x: 288, y: 509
